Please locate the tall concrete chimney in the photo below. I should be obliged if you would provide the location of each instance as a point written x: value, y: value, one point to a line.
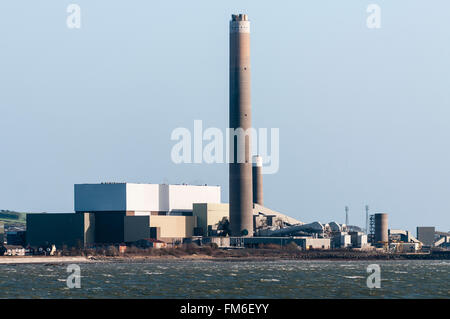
x: 240, y: 174
x: 257, y: 180
x: 381, y: 228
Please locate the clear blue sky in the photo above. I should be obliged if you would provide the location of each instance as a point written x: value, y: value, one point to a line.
x: 364, y: 114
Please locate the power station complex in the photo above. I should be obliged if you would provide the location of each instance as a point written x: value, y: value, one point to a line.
x: 114, y: 213
x: 111, y: 213
x: 126, y: 212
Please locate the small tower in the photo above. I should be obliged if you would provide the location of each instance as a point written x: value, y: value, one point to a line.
x: 346, y: 215
x: 367, y: 220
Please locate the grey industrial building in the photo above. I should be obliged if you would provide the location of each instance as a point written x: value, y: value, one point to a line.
x: 426, y: 235
x: 305, y: 243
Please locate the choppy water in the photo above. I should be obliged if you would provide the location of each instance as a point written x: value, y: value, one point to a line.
x: 212, y: 279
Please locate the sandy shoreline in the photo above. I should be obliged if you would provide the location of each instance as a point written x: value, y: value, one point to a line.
x: 8, y: 260
x: 14, y: 260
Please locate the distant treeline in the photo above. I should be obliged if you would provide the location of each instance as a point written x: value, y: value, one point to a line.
x: 10, y: 216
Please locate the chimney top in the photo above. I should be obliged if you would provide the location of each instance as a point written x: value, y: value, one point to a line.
x: 239, y: 17
x: 257, y: 161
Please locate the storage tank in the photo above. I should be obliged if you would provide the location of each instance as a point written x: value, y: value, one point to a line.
x: 381, y: 228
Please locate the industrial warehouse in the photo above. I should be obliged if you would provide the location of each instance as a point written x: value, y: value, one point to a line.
x: 163, y: 214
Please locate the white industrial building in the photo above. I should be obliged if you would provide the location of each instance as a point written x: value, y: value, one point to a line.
x: 142, y: 199
x: 174, y: 211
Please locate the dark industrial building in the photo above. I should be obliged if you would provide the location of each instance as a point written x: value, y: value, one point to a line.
x: 71, y: 230
x: 426, y: 235
x: 109, y: 227
x: 85, y: 229
x: 2, y: 233
x: 116, y: 227
x: 15, y: 237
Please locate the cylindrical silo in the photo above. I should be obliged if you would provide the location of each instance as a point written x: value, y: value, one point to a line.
x: 240, y: 168
x: 381, y: 228
x: 257, y: 180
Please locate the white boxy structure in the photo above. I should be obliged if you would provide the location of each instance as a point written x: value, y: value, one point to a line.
x: 142, y: 199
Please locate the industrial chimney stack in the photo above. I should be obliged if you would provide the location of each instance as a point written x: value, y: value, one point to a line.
x: 257, y: 180
x: 240, y: 168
